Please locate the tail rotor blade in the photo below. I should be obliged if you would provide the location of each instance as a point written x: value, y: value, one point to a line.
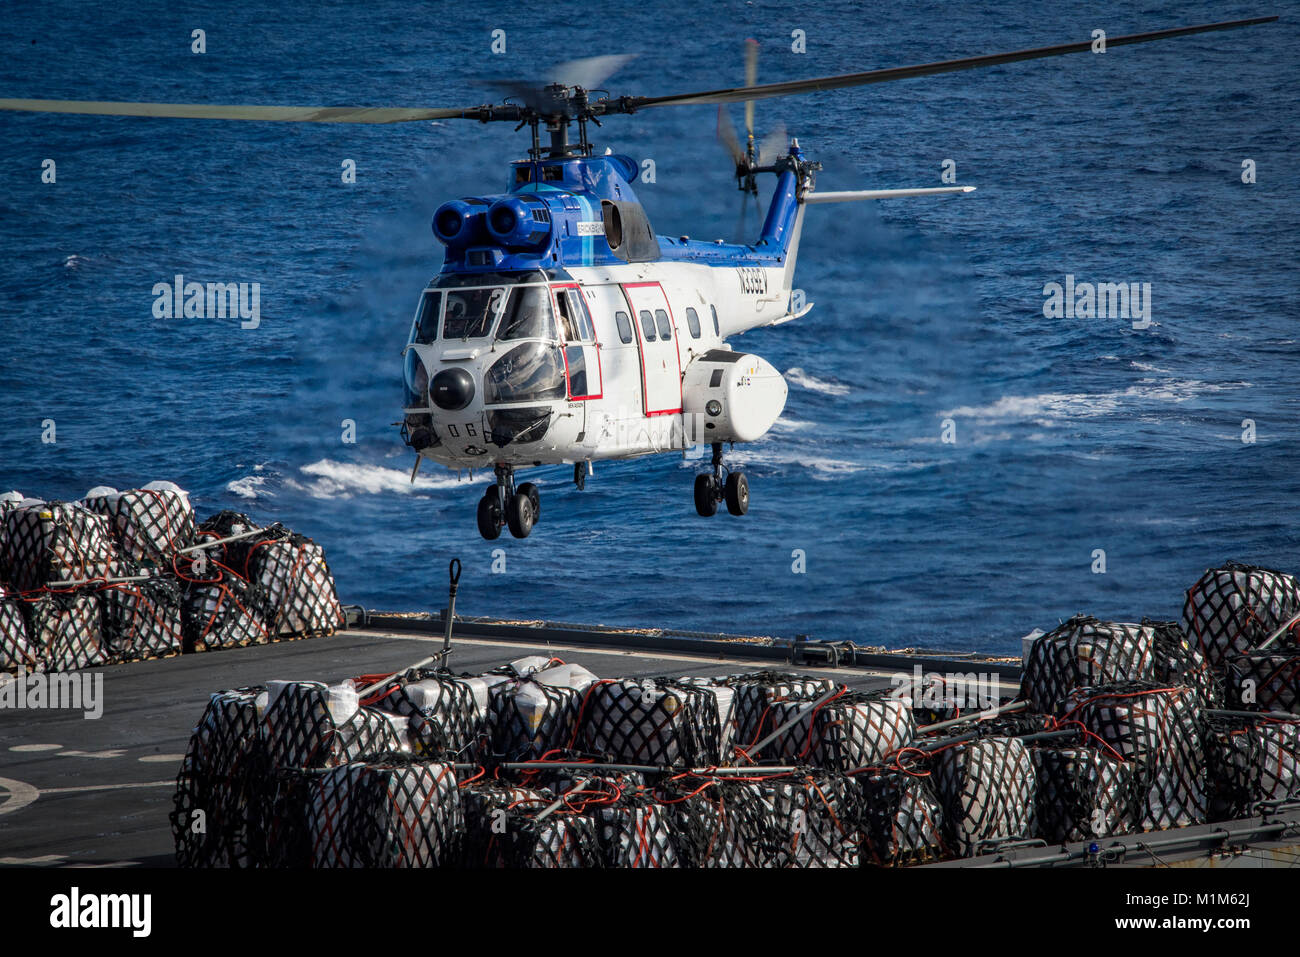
x: 751, y: 79
x: 772, y: 145
x: 727, y: 137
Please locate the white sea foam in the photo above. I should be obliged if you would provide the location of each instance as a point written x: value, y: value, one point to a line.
x: 802, y: 379
x: 250, y: 486
x: 330, y: 479
x: 1048, y: 407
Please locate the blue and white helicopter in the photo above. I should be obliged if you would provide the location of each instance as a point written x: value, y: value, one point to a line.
x: 561, y: 329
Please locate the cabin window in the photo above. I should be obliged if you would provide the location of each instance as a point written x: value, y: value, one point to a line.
x: 717, y: 331
x: 624, y: 327
x: 471, y: 313
x: 426, y: 320
x: 693, y: 323
x: 528, y: 315
x: 665, y: 327
x: 647, y: 325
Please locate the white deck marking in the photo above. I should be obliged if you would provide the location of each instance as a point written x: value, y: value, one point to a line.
x: 115, y: 753
x: 35, y: 747
x: 107, y: 787
x: 20, y: 795
x: 163, y: 758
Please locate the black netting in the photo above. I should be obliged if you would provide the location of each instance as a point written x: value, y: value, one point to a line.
x: 1158, y: 729
x: 1084, y: 652
x: 755, y: 695
x: 493, y: 810
x: 989, y: 793
x: 64, y: 630
x: 309, y: 725
x: 446, y: 714
x: 815, y: 820
x: 16, y: 648
x: 717, y: 822
x: 903, y: 820
x: 1084, y: 793
x: 1179, y: 662
x: 636, y: 832
x: 1248, y: 761
x: 1264, y: 682
x: 234, y: 555
x: 215, y: 822
x: 296, y: 586
x: 527, y: 719
x: 148, y: 525
x: 659, y: 721
x: 390, y: 813
x: 854, y: 730
x: 142, y: 619
x: 1233, y: 608
x: 56, y: 542
x: 563, y: 838
x: 222, y: 613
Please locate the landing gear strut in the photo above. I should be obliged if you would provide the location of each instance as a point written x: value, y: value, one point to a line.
x: 503, y: 505
x: 711, y: 489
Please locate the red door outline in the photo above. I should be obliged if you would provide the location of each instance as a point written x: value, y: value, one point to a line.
x: 640, y: 338
x: 600, y: 373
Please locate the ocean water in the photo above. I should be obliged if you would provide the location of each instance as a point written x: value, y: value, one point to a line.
x: 1071, y: 435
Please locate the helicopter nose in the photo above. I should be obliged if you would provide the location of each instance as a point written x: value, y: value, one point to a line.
x: 452, y: 389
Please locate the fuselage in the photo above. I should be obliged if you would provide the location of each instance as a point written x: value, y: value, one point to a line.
x: 562, y: 330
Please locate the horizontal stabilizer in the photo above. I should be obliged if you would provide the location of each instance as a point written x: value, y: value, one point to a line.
x: 853, y: 195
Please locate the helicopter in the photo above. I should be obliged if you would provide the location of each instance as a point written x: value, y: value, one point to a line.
x: 561, y: 329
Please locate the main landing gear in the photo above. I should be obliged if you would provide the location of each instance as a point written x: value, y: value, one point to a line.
x: 710, y: 489
x: 505, y: 505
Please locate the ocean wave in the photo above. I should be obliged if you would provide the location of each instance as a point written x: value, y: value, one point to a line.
x: 1050, y: 406
x: 331, y: 479
x: 802, y: 379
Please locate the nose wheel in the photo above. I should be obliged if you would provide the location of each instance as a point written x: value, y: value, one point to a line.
x: 711, y: 489
x: 505, y: 506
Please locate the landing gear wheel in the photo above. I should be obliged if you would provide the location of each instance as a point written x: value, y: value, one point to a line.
x: 529, y: 489
x: 737, y: 493
x: 520, y: 515
x: 489, y: 515
x: 706, y: 495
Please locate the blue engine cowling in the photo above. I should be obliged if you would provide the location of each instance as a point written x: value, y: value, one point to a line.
x: 461, y: 222
x: 520, y: 222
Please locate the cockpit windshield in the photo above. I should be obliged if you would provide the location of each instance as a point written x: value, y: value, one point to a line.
x: 471, y: 313
x: 528, y: 314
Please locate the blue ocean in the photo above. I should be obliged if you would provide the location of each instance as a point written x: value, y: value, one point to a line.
x: 954, y: 466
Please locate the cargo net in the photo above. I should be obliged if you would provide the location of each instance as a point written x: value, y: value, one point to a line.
x: 64, y: 630
x: 142, y: 619
x: 56, y: 542
x: 1084, y: 793
x: 445, y: 715
x: 492, y: 810
x: 222, y: 611
x: 529, y: 719
x: 1179, y: 662
x: 852, y: 730
x: 310, y: 725
x: 1232, y: 609
x: 718, y: 822
x: 755, y: 695
x: 296, y: 586
x: 1249, y: 762
x: 903, y: 820
x: 16, y: 649
x: 526, y: 827
x: 1084, y: 653
x: 1264, y: 682
x: 392, y: 813
x: 1158, y: 730
x: 148, y: 525
x: 658, y: 721
x: 234, y: 555
x: 215, y: 820
x: 989, y: 792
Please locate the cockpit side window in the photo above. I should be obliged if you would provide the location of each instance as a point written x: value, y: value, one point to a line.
x: 471, y: 313
x: 528, y: 315
x: 575, y: 323
x: 426, y: 321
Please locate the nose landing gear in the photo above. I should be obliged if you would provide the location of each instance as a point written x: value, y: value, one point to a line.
x: 711, y: 489
x: 505, y: 506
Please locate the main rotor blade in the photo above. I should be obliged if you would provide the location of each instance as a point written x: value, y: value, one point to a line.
x: 727, y: 137
x: 843, y: 80
x: 589, y: 72
x: 284, y: 114
x: 751, y: 80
